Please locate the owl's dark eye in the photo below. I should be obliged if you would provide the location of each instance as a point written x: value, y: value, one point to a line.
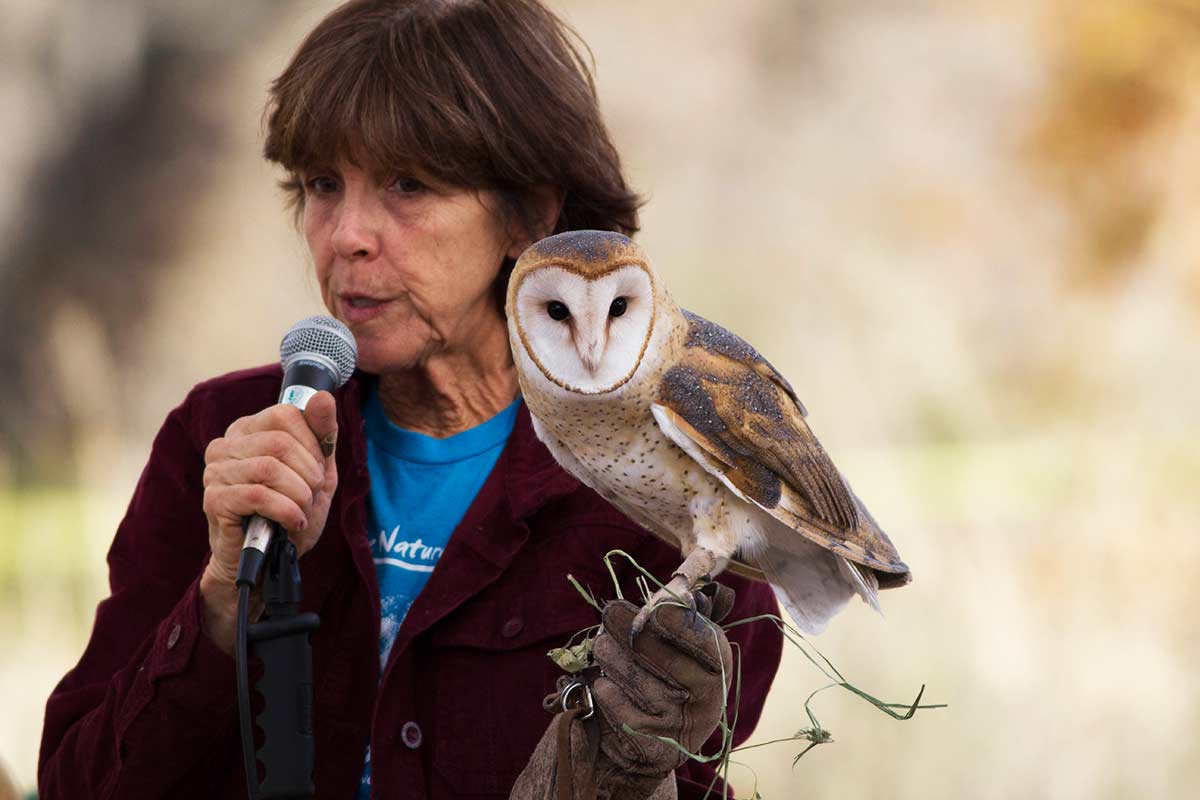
x: 617, y: 308
x: 557, y: 311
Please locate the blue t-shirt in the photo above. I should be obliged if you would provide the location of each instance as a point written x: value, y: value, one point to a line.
x: 420, y: 489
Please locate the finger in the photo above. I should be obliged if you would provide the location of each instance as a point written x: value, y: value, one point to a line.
x: 618, y: 618
x: 653, y: 653
x: 232, y: 503
x: 619, y: 708
x: 321, y: 417
x: 723, y: 599
x: 277, y: 444
x: 691, y: 634
x: 650, y: 686
x: 264, y: 470
x: 665, y: 638
x: 625, y: 697
x: 279, y: 417
x: 715, y: 600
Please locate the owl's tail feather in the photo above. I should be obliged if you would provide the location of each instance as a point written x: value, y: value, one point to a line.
x: 810, y: 584
x: 863, y: 580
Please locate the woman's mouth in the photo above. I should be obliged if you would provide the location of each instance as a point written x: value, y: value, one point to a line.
x: 357, y: 308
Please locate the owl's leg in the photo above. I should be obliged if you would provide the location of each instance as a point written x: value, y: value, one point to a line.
x: 711, y: 549
x: 694, y: 571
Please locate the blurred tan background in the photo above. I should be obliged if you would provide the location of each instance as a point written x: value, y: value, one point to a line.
x: 967, y: 232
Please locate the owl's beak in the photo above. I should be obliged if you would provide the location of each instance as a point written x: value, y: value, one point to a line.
x: 591, y: 353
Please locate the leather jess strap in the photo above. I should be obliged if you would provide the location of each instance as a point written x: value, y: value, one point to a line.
x: 566, y: 772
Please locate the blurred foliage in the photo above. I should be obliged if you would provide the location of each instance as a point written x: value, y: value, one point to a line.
x: 110, y: 132
x: 1121, y: 72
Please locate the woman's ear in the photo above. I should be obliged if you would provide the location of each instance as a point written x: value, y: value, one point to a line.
x: 545, y: 202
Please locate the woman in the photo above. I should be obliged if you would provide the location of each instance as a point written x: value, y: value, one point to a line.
x: 426, y: 145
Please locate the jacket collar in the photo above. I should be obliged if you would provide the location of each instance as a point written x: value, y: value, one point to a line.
x: 534, y: 478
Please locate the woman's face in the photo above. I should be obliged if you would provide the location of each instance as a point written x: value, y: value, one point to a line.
x: 407, y: 263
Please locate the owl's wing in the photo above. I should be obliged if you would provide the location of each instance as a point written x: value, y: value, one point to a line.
x: 732, y: 412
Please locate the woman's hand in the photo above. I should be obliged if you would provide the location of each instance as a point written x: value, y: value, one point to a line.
x: 279, y: 464
x: 669, y: 683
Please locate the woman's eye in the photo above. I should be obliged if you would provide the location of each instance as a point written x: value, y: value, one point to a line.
x: 617, y: 308
x: 407, y: 185
x: 321, y: 184
x: 557, y: 311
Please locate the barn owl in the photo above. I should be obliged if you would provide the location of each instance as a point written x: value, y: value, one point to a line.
x: 687, y: 430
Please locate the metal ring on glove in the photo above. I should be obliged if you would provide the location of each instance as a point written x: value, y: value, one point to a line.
x: 588, y: 702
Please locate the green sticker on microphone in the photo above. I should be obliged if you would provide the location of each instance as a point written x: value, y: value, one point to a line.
x: 297, y: 396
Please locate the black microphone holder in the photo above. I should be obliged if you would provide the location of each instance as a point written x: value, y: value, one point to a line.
x: 281, y: 642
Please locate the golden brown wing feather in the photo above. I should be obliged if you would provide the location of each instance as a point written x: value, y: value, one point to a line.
x: 746, y: 419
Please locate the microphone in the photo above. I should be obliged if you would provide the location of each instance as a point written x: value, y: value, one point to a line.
x: 317, y: 354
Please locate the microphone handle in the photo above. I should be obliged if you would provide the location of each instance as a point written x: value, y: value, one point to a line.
x: 302, y: 379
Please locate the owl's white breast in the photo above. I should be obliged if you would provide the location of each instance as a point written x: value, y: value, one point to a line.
x: 617, y: 449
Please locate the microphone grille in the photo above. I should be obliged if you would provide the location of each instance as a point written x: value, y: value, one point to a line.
x: 323, y: 337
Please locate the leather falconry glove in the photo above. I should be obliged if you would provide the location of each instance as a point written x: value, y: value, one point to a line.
x: 672, y: 683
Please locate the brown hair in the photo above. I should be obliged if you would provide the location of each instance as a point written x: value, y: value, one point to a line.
x: 487, y: 94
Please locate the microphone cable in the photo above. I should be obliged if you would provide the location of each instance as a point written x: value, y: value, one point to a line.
x: 245, y: 713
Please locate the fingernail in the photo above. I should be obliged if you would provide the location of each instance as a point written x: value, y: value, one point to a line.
x: 329, y: 444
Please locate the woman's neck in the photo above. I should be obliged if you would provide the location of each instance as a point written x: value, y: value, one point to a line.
x: 452, y: 391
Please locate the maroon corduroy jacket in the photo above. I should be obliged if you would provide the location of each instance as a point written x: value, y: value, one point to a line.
x: 151, y: 711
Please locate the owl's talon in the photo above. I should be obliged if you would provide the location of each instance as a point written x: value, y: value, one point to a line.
x: 639, y: 622
x: 677, y: 590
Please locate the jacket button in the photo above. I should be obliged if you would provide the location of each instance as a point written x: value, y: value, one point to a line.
x: 410, y: 734
x: 173, y: 638
x: 512, y: 627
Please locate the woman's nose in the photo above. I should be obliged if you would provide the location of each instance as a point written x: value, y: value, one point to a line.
x: 356, y: 234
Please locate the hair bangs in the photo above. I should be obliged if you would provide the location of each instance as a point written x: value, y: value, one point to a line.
x: 377, y: 104
x: 485, y: 94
